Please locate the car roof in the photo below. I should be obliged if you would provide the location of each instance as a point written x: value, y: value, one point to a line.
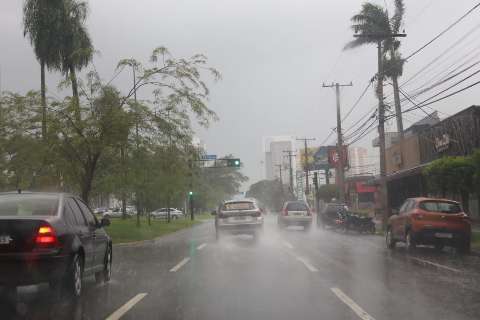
x: 242, y: 200
x: 418, y: 199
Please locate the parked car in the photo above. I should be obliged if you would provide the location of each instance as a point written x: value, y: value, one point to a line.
x: 238, y: 217
x: 295, y: 213
x: 54, y: 238
x: 430, y: 221
x: 117, y: 212
x: 162, y: 213
x: 99, y: 210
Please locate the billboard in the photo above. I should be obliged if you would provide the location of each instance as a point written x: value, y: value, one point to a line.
x: 327, y: 157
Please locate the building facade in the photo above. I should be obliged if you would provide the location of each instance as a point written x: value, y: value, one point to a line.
x: 274, y: 148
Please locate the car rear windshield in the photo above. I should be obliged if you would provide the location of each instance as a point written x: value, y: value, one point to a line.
x: 297, y: 206
x: 440, y: 206
x: 334, y: 208
x: 231, y: 206
x: 28, y: 205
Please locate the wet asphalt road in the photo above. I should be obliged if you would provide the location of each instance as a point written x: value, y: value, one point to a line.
x: 287, y: 274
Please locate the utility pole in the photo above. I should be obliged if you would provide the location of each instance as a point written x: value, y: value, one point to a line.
x: 290, y: 154
x: 281, y: 180
x: 381, y: 119
x: 315, y: 183
x: 305, y: 140
x: 340, y: 165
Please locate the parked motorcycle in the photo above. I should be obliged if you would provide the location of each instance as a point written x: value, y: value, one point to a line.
x: 358, y: 223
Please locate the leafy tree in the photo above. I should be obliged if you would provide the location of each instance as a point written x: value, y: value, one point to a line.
x: 373, y: 20
x: 40, y: 24
x: 452, y: 175
x: 76, y: 47
x: 328, y: 192
x: 271, y: 193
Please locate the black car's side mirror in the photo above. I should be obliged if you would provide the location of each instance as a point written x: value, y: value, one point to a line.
x: 214, y: 212
x: 105, y: 222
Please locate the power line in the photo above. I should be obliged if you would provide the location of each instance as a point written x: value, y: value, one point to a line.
x: 358, y: 101
x: 443, y: 32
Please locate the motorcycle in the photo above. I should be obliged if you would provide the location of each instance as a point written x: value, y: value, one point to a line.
x: 358, y: 223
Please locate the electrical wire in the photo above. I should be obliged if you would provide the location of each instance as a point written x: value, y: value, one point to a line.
x: 358, y: 101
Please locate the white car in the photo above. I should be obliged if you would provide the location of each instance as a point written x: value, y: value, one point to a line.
x: 162, y: 213
x: 117, y: 212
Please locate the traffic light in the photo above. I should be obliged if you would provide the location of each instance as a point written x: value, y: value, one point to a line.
x: 233, y: 163
x: 190, y: 193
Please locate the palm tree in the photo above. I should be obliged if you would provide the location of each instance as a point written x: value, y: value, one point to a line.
x: 40, y: 24
x: 374, y: 19
x: 76, y: 45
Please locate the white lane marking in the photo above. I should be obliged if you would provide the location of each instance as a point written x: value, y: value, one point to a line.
x: 307, y: 264
x: 200, y: 247
x: 349, y: 302
x: 180, y: 264
x: 436, y: 265
x: 127, y: 306
x: 288, y: 245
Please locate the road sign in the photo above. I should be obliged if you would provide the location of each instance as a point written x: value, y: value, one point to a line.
x: 208, y: 157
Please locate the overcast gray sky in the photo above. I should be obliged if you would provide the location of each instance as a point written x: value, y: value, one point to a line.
x: 273, y: 54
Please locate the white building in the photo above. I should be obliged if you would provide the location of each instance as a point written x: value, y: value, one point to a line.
x: 274, y: 148
x: 358, y: 161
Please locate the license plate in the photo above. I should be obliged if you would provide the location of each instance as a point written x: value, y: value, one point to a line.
x: 443, y: 235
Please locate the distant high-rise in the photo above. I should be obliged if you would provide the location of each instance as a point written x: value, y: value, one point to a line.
x: 358, y: 161
x: 274, y: 148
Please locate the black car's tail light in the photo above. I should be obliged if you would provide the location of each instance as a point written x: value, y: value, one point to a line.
x: 46, y: 237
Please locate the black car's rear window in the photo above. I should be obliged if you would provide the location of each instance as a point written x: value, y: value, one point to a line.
x: 297, y: 206
x: 440, y: 206
x: 244, y: 205
x: 24, y: 205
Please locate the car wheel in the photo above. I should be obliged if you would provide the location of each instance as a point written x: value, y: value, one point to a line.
x: 389, y: 239
x: 106, y: 273
x: 409, y: 242
x: 75, y: 276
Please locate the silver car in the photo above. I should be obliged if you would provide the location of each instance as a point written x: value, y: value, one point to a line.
x: 295, y: 213
x: 238, y: 217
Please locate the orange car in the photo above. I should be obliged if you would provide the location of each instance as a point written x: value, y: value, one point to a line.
x: 429, y: 221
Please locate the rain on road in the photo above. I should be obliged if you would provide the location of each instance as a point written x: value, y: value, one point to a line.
x: 286, y: 274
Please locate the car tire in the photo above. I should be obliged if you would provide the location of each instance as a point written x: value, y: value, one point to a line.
x: 74, y: 279
x: 391, y: 243
x: 409, y: 242
x: 106, y: 274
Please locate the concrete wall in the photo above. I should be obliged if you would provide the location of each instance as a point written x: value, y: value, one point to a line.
x: 403, y: 156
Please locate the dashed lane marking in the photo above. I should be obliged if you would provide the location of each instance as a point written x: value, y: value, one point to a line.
x: 362, y: 314
x: 200, y: 247
x: 288, y: 244
x: 127, y: 306
x: 180, y: 264
x: 307, y: 264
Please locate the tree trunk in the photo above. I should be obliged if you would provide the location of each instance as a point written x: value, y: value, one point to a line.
x: 465, y: 196
x: 76, y: 99
x: 124, y: 182
x: 43, y: 102
x: 398, y: 107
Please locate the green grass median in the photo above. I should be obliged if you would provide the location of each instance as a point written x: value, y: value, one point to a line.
x: 124, y: 231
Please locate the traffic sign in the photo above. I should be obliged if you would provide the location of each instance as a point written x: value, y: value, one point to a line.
x: 208, y: 157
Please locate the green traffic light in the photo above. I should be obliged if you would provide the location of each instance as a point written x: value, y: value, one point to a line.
x: 237, y: 163
x: 190, y: 193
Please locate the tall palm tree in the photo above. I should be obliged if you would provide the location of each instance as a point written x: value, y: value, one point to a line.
x: 40, y: 24
x: 76, y: 45
x: 374, y: 19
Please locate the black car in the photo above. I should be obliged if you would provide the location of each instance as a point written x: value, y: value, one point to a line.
x: 51, y: 237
